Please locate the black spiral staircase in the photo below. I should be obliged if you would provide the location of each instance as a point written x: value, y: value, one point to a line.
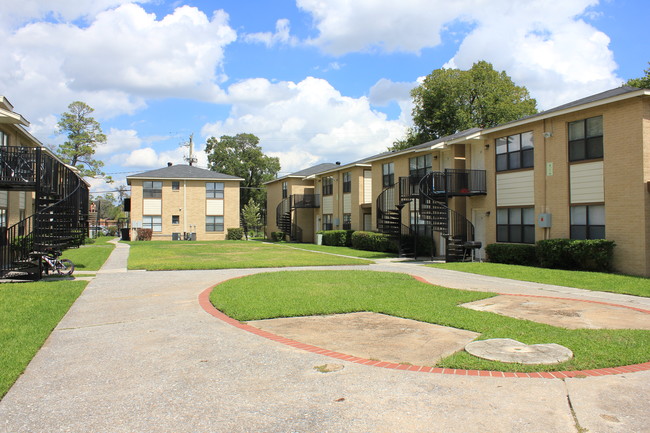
x: 60, y: 218
x: 285, y: 213
x: 429, y: 196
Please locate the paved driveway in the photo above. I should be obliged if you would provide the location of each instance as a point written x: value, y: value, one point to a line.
x: 136, y: 353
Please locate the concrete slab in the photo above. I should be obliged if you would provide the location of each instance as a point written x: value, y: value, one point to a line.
x: 373, y: 336
x: 509, y: 350
x: 566, y: 313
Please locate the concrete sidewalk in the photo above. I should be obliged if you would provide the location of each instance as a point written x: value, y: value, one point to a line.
x: 136, y: 353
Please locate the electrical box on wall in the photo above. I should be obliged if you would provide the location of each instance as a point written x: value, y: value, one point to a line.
x: 544, y: 220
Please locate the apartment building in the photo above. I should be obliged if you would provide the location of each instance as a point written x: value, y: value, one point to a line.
x: 184, y: 202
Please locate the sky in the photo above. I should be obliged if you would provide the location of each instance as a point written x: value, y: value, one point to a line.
x: 315, y: 80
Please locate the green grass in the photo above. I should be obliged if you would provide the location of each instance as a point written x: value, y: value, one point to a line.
x: 288, y: 294
x: 603, y: 282
x: 345, y: 251
x: 90, y: 257
x: 28, y: 314
x: 176, y: 255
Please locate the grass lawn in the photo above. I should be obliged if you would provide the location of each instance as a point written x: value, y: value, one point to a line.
x: 175, y: 255
x: 603, y: 282
x: 90, y: 257
x: 288, y: 294
x: 346, y: 251
x: 28, y: 314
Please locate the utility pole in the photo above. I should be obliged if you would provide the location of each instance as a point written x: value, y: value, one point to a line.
x: 191, y: 159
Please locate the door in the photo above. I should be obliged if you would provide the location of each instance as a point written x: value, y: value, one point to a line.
x: 479, y: 221
x: 367, y: 222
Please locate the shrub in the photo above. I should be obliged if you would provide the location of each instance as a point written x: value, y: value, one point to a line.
x: 144, y: 234
x: 88, y: 241
x: 554, y: 253
x: 512, y: 254
x: 235, y: 234
x: 277, y: 236
x: 425, y: 245
x: 337, y: 238
x: 594, y: 255
x: 112, y: 230
x: 371, y: 241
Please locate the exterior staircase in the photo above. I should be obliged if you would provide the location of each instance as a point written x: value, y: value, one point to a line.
x: 60, y: 219
x: 285, y: 213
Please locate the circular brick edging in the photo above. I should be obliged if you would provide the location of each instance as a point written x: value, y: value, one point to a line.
x: 204, y: 302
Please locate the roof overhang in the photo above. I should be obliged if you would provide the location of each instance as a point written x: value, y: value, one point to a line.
x: 10, y: 117
x: 343, y: 167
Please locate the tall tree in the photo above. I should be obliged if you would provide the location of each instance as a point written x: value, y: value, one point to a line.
x: 451, y: 100
x: 84, y: 134
x: 242, y: 156
x: 251, y: 217
x: 643, y: 82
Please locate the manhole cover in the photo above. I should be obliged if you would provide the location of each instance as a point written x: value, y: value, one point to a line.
x: 508, y: 350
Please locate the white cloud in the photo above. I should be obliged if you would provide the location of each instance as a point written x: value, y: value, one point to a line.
x: 307, y: 122
x: 17, y: 12
x: 385, y: 91
x: 119, y: 140
x: 544, y: 45
x: 123, y: 57
x: 282, y: 35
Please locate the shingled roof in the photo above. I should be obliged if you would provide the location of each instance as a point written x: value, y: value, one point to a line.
x: 183, y: 172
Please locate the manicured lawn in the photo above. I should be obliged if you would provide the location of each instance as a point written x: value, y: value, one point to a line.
x: 175, y: 255
x: 90, y: 257
x: 28, y: 314
x: 583, y: 280
x: 345, y: 251
x: 287, y: 294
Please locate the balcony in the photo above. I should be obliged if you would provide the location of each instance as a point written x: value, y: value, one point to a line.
x: 20, y: 167
x: 457, y: 182
x: 306, y: 201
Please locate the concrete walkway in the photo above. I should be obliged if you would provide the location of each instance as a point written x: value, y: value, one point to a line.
x: 136, y: 353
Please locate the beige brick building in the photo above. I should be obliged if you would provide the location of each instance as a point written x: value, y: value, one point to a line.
x: 181, y: 200
x: 580, y: 171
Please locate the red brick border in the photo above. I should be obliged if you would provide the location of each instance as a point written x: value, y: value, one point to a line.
x: 204, y: 302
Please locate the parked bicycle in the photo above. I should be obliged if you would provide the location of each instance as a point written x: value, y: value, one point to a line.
x: 52, y: 263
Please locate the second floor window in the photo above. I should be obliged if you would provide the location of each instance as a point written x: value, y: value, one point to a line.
x: 420, y: 166
x: 151, y: 189
x: 214, y: 190
x: 515, y: 151
x: 176, y: 185
x: 387, y: 174
x: 328, y: 185
x: 4, y: 139
x: 284, y: 190
x: 586, y: 139
x: 347, y: 182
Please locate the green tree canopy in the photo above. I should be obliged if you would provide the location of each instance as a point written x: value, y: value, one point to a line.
x: 251, y: 216
x: 242, y: 156
x: 451, y: 100
x: 643, y: 82
x: 84, y: 134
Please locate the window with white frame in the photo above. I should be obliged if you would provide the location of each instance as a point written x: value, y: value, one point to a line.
x: 588, y: 222
x: 151, y: 189
x: 516, y: 225
x: 213, y: 223
x: 328, y: 185
x: 387, y: 174
x: 4, y: 139
x: 176, y: 219
x: 347, y: 182
x: 284, y: 190
x: 515, y: 152
x: 214, y: 190
x: 420, y: 166
x: 153, y: 222
x: 586, y: 139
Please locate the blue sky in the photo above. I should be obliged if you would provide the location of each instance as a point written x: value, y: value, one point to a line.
x: 315, y: 80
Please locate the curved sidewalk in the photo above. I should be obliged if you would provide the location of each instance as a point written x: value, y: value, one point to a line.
x: 137, y: 353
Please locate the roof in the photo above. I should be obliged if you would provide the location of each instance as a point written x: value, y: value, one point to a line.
x: 365, y: 162
x: 307, y: 171
x: 182, y: 171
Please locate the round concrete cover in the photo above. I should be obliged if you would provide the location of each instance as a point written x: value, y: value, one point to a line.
x: 509, y: 350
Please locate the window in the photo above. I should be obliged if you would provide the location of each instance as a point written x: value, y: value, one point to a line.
x: 328, y: 185
x: 347, y: 221
x: 151, y: 189
x: 420, y: 166
x: 176, y: 219
x: 214, y: 190
x: 153, y: 222
x: 213, y: 223
x: 515, y: 151
x: 327, y: 222
x: 388, y: 174
x: 586, y: 139
x: 284, y: 190
x: 176, y: 185
x: 21, y: 222
x: 3, y: 217
x: 4, y: 139
x: 347, y: 182
x: 588, y: 222
x: 516, y: 225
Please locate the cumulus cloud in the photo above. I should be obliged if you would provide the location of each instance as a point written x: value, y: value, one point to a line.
x: 306, y: 122
x: 123, y: 57
x: 282, y: 35
x: 385, y: 91
x: 17, y: 12
x: 545, y: 45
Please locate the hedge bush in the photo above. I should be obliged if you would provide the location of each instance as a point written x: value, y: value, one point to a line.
x: 277, y: 236
x: 594, y: 255
x: 337, y: 238
x: 144, y: 234
x: 554, y: 253
x: 371, y: 241
x: 512, y: 254
x: 235, y: 234
x: 112, y: 230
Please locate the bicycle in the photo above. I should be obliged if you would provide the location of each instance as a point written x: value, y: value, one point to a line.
x: 51, y: 263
